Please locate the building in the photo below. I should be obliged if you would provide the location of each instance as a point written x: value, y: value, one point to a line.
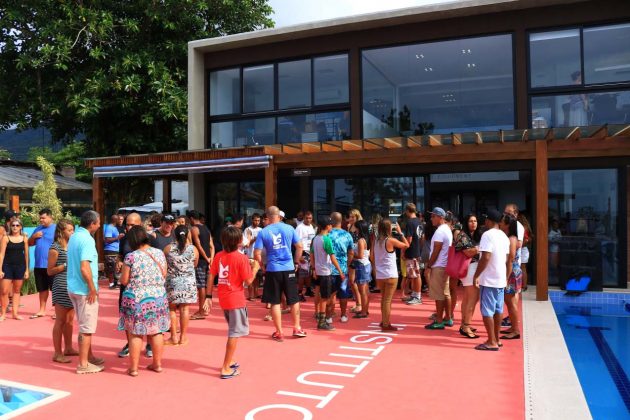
x: 465, y: 105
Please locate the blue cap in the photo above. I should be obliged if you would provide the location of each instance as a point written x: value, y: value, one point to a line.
x: 439, y: 211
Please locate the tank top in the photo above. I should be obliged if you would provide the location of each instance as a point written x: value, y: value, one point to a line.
x: 160, y: 241
x: 14, y: 254
x: 366, y: 254
x: 204, y: 238
x: 384, y: 261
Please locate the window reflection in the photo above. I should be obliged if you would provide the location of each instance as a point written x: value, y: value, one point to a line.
x: 314, y: 127
x: 252, y: 199
x: 607, y: 54
x: 294, y: 84
x: 554, y: 57
x: 387, y: 196
x: 583, y: 225
x: 258, y: 88
x: 225, y: 92
x: 331, y: 79
x: 243, y: 133
x: 321, y: 197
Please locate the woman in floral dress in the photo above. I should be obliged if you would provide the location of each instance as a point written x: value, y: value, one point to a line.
x: 144, y: 308
x: 181, y: 287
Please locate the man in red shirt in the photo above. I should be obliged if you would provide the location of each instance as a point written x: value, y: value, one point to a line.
x: 233, y: 269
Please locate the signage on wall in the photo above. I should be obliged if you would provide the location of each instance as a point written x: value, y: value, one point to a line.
x: 476, y: 177
x: 301, y: 172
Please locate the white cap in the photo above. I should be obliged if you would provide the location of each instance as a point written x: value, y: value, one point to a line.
x: 281, y: 214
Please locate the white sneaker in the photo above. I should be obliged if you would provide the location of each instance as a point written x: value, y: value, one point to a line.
x: 344, y: 318
x: 329, y: 320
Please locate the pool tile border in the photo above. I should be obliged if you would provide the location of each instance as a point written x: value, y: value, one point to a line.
x: 54, y: 395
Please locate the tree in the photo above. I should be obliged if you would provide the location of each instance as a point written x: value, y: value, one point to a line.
x: 70, y: 155
x: 5, y: 154
x: 113, y: 71
x: 45, y: 191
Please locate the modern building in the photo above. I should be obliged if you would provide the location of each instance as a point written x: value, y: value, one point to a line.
x: 465, y: 105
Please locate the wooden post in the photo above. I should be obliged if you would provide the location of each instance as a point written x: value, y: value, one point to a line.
x: 271, y: 185
x: 542, y: 221
x: 14, y: 203
x: 98, y: 203
x: 167, y: 195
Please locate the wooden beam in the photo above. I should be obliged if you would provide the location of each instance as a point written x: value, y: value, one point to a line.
x: 457, y: 139
x: 574, y: 134
x: 501, y: 137
x: 271, y: 185
x: 525, y: 136
x: 311, y: 147
x: 478, y: 138
x: 292, y: 148
x: 273, y: 149
x: 414, y: 141
x: 542, y: 221
x: 350, y: 145
x: 373, y: 144
x: 600, y: 133
x: 623, y: 132
x: 393, y: 142
x: 435, y: 140
x: 329, y: 146
x: 549, y: 135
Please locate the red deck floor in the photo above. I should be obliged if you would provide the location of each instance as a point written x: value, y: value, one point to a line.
x: 419, y: 374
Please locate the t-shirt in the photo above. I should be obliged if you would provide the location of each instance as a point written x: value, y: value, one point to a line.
x: 342, y: 243
x: 322, y: 249
x: 231, y: 270
x: 413, y: 229
x: 520, y: 231
x: 306, y: 235
x: 42, y: 245
x: 250, y: 232
x: 81, y: 247
x: 160, y: 241
x: 497, y: 243
x: 277, y: 239
x: 110, y: 231
x: 442, y: 234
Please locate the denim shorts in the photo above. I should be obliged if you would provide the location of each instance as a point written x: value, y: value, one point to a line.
x: 491, y: 300
x: 363, y: 274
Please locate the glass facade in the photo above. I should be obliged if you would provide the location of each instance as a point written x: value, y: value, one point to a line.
x: 331, y: 79
x: 554, y: 57
x: 294, y: 84
x: 225, y: 92
x: 607, y: 54
x: 243, y: 132
x: 438, y: 87
x: 323, y: 126
x: 230, y: 198
x: 583, y: 225
x: 258, y: 89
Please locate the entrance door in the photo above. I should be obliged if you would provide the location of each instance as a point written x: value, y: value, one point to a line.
x: 463, y: 203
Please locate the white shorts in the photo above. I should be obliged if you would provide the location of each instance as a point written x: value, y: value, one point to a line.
x: 524, y: 255
x: 468, y: 280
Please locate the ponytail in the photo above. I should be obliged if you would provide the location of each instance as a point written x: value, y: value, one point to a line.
x: 181, y: 235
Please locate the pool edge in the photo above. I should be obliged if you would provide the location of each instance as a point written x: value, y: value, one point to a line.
x: 54, y: 395
x: 550, y: 376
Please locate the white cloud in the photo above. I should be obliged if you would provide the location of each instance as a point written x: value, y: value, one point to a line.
x: 293, y: 12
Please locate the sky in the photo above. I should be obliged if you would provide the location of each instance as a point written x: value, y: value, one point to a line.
x: 293, y: 12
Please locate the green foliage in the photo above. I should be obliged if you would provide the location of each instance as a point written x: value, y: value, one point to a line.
x: 29, y: 287
x: 45, y: 192
x: 5, y: 154
x: 70, y: 155
x: 114, y: 71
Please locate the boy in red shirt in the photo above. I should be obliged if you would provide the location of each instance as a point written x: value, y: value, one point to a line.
x: 233, y: 269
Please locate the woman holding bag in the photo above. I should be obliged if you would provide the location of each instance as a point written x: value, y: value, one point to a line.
x: 467, y: 244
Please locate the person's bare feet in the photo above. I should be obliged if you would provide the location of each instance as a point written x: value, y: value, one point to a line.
x: 60, y: 358
x: 171, y: 342
x: 2, y: 318
x: 71, y: 352
x: 183, y: 341
x: 156, y: 369
x: 18, y: 317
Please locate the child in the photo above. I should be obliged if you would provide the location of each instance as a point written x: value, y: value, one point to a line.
x: 233, y: 269
x: 322, y: 254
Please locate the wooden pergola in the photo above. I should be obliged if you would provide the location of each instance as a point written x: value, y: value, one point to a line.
x: 538, y: 145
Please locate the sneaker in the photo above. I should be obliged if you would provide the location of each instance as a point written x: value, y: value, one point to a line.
x: 344, y: 318
x: 267, y: 318
x: 435, y: 326
x: 406, y: 298
x: 90, y: 368
x: 414, y: 301
x: 448, y: 323
x: 124, y: 352
x: 112, y: 285
x: 329, y: 320
x: 277, y: 337
x: 148, y: 351
x: 425, y: 289
x: 299, y: 333
x: 433, y: 317
x: 325, y: 327
x: 98, y: 361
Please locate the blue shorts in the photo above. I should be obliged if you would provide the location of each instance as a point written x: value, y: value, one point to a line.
x: 363, y: 274
x: 491, y: 300
x: 344, y: 291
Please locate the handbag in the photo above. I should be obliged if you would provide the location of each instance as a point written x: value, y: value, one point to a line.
x: 457, y: 263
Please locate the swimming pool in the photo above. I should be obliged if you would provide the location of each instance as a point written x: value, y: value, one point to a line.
x: 17, y: 398
x: 596, y: 329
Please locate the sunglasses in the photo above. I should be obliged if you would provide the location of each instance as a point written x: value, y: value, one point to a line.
x: 16, y: 225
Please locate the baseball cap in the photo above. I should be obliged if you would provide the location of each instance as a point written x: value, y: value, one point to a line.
x: 324, y: 221
x: 281, y: 214
x: 494, y: 215
x: 439, y: 211
x: 168, y: 218
x: 9, y: 214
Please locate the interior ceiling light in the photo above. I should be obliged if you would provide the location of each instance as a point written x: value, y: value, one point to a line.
x: 419, y: 56
x: 471, y: 65
x: 428, y: 69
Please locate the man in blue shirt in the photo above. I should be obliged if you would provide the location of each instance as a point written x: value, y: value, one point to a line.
x: 83, y: 288
x: 343, y: 246
x: 111, y: 237
x: 42, y: 238
x: 276, y: 238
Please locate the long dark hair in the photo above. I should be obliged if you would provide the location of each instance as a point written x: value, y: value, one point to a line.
x: 510, y: 221
x: 363, y: 231
x: 476, y: 234
x: 137, y: 236
x: 181, y: 235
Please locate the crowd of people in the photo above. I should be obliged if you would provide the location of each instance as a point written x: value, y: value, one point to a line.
x: 166, y: 264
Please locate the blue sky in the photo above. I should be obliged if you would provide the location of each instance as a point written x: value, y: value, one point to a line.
x: 293, y: 12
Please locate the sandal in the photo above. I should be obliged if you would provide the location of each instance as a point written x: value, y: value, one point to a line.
x: 485, y: 347
x: 360, y: 316
x: 234, y: 373
x: 60, y: 358
x: 467, y: 334
x: 511, y: 337
x: 195, y: 317
x: 133, y: 373
x: 156, y: 369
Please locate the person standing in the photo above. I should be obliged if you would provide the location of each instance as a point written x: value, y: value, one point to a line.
x: 144, y: 309
x: 249, y: 239
x: 111, y: 237
x: 305, y: 232
x: 14, y: 267
x: 343, y: 246
x: 467, y: 241
x: 491, y: 278
x: 362, y: 266
x: 232, y: 269
x: 182, y: 258
x: 414, y: 234
x: 528, y: 240
x: 83, y: 288
x: 202, y: 240
x: 163, y: 237
x: 64, y: 311
x: 276, y: 239
x: 514, y: 278
x: 42, y: 238
x: 438, y: 281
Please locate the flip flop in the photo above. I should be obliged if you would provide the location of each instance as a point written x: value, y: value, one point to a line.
x: 235, y: 365
x: 234, y: 373
x: 483, y: 346
x: 196, y: 317
x: 507, y: 337
x: 36, y: 316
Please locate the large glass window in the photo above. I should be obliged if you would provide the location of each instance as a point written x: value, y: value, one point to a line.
x: 324, y: 126
x: 438, y: 87
x: 322, y: 191
x: 387, y: 196
x: 607, y: 54
x: 583, y: 225
x: 252, y: 199
x: 258, y: 89
x: 554, y: 57
x: 331, y: 79
x: 581, y: 108
x: 225, y: 92
x: 243, y: 132
x: 294, y: 84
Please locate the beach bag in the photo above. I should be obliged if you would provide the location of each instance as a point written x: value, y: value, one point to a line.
x: 457, y: 264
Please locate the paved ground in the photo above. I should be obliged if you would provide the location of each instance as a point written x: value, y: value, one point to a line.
x: 363, y: 373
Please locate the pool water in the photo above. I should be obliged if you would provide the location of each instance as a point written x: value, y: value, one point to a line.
x: 596, y: 329
x: 13, y: 398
